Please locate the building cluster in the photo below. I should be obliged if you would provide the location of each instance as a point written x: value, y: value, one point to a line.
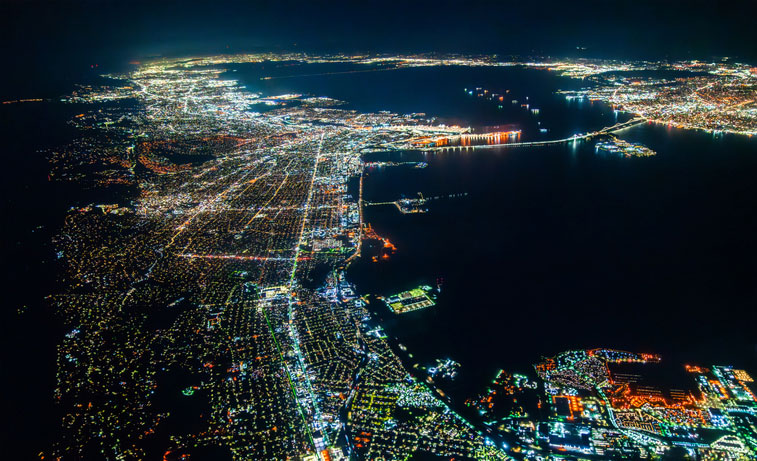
x: 620, y: 147
x: 411, y: 300
x: 608, y: 403
x: 714, y: 97
x: 207, y: 312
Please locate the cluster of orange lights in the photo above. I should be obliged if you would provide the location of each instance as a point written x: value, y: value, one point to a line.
x: 547, y: 365
x: 625, y: 398
x: 387, y: 249
x: 574, y: 405
x: 363, y: 438
x: 696, y: 369
x: 160, y: 168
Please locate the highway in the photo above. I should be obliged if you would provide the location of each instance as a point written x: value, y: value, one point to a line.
x: 578, y: 137
x: 300, y: 381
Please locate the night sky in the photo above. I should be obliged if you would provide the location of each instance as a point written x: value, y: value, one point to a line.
x: 50, y: 33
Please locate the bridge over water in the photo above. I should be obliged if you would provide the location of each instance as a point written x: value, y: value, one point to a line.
x: 578, y: 137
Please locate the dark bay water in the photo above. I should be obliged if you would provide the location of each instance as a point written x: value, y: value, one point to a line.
x: 33, y: 209
x: 559, y: 248
x: 440, y: 92
x: 555, y: 247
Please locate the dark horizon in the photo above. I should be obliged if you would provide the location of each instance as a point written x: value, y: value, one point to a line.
x: 43, y: 34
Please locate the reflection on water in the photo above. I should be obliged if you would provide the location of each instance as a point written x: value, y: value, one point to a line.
x: 557, y: 248
x: 554, y: 247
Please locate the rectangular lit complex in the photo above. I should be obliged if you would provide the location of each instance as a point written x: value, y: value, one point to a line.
x: 411, y: 300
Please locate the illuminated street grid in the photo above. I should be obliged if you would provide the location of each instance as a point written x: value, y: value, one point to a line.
x: 197, y: 314
x: 603, y: 403
x: 716, y: 97
x: 193, y: 320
